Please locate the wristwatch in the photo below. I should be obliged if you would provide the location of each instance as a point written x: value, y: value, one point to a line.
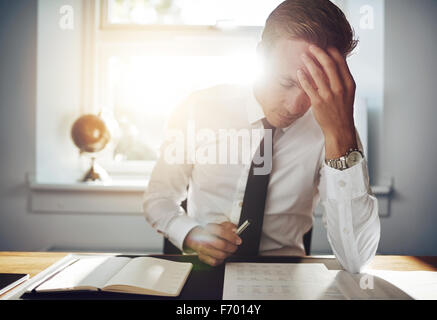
x: 352, y: 157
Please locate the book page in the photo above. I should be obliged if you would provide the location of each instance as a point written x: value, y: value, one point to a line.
x: 86, y: 272
x: 103, y: 271
x: 420, y: 285
x: 152, y: 275
x: 279, y: 281
x: 363, y: 286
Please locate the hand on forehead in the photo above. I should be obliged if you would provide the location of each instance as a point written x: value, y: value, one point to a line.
x: 286, y: 58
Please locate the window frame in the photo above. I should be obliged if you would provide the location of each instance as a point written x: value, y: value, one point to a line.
x: 106, y: 25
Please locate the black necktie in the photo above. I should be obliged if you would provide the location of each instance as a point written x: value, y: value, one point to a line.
x: 254, y: 200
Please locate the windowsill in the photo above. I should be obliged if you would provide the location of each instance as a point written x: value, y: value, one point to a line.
x: 134, y: 185
x: 111, y: 186
x: 122, y: 197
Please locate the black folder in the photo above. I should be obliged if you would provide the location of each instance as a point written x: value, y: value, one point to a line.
x: 10, y: 280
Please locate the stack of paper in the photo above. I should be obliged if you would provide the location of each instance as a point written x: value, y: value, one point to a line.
x: 313, y: 281
x: 279, y: 281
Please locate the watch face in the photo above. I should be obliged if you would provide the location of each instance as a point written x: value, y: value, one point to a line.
x: 353, y: 158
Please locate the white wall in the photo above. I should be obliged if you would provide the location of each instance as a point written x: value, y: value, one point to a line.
x: 410, y: 112
x: 405, y: 151
x: 58, y: 91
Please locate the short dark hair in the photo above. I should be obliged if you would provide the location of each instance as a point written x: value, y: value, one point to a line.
x: 319, y: 22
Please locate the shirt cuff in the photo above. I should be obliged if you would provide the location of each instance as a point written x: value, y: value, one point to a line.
x: 178, y: 229
x: 350, y: 183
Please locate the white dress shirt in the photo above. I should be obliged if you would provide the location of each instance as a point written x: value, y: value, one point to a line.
x: 298, y: 181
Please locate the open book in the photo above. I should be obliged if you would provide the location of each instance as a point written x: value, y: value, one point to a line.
x: 142, y: 275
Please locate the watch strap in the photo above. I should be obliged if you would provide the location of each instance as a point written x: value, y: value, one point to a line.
x: 341, y: 163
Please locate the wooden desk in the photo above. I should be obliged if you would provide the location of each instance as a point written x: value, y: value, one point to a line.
x: 35, y: 262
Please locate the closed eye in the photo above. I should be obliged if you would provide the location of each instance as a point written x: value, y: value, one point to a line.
x: 288, y: 85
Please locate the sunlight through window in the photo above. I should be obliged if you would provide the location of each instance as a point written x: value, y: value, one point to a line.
x: 190, y: 12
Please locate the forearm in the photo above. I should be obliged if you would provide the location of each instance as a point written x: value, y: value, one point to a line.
x: 170, y: 178
x: 167, y: 218
x: 350, y: 215
x: 345, y: 194
x: 166, y: 189
x: 353, y: 231
x: 338, y: 143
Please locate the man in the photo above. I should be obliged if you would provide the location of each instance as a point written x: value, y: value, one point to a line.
x: 306, y: 95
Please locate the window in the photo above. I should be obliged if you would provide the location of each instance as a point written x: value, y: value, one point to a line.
x: 149, y: 54
x: 188, y: 12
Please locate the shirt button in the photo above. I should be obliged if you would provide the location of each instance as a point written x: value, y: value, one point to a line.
x: 342, y: 184
x: 346, y: 231
x: 240, y: 204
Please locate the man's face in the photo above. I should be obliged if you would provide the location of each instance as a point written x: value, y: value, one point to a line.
x: 279, y: 91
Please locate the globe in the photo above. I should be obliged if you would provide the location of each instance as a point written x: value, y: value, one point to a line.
x: 90, y: 134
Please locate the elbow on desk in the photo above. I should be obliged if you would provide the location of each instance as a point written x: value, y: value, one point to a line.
x: 366, y: 251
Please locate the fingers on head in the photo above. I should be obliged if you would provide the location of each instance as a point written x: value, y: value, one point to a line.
x: 343, y: 67
x: 306, y: 85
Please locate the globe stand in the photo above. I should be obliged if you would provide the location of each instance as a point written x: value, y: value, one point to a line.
x: 96, y: 172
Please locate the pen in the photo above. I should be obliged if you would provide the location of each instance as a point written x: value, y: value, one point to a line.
x: 243, y: 227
